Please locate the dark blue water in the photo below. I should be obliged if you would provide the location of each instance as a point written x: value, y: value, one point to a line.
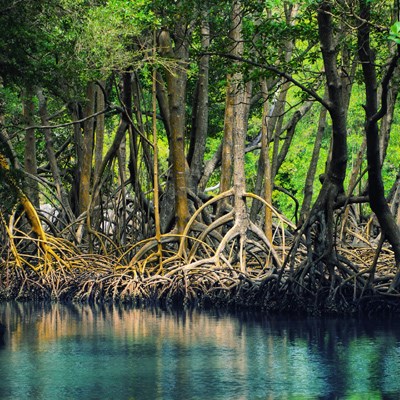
x: 79, y: 352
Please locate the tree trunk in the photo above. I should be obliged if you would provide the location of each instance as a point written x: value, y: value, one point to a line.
x: 209, y: 167
x: 200, y: 112
x: 336, y: 170
x: 309, y: 184
x: 136, y: 137
x: 125, y: 121
x: 241, y: 95
x: 375, y: 183
x: 87, y: 151
x: 99, y: 142
x: 290, y: 129
x: 62, y: 194
x: 321, y: 215
x: 354, y: 177
x: 76, y: 115
x: 387, y: 119
x: 30, y: 163
x: 227, y: 143
x: 277, y: 117
x: 276, y: 127
x: 176, y: 79
x: 264, y: 168
x: 167, y: 205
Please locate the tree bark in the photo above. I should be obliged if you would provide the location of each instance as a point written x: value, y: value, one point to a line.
x: 309, y: 183
x: 227, y: 144
x: 30, y: 162
x: 176, y: 79
x: 200, y: 113
x: 209, y: 167
x: 125, y: 121
x: 241, y: 103
x: 263, y: 178
x: 138, y: 138
x: 336, y: 170
x: 99, y: 132
x: 87, y: 151
x: 321, y: 215
x: 277, y: 116
x: 375, y: 183
x: 290, y: 129
x: 55, y: 171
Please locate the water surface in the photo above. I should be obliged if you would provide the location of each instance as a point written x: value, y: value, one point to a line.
x: 82, y: 352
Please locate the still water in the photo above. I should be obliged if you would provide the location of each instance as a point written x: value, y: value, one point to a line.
x: 82, y: 352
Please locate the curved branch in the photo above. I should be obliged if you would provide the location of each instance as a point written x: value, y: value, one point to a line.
x: 385, y: 87
x: 312, y: 93
x: 78, y: 121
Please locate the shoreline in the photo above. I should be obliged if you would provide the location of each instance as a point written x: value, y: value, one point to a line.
x: 265, y: 295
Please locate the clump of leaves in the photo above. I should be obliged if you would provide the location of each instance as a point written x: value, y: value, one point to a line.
x: 394, y: 33
x: 110, y: 40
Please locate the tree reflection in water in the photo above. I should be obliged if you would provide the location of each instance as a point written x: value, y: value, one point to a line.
x: 102, y: 352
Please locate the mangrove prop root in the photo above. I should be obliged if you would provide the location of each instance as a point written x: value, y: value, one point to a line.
x: 200, y: 266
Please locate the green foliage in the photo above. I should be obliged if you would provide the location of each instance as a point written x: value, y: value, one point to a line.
x: 37, y: 42
x: 391, y: 166
x: 62, y: 44
x: 394, y: 34
x: 115, y: 33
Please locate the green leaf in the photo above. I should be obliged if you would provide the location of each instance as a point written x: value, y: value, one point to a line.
x: 394, y: 34
x: 395, y: 28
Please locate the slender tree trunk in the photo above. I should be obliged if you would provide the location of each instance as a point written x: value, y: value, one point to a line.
x: 87, y: 151
x: 321, y: 215
x: 354, y: 177
x: 312, y: 169
x: 276, y: 127
x: 177, y: 88
x: 290, y: 129
x: 337, y: 110
x: 234, y: 106
x: 387, y: 119
x: 167, y: 211
x: 273, y: 120
x: 121, y: 155
x: 200, y: 113
x: 227, y: 144
x: 148, y: 158
x: 55, y: 171
x: 176, y: 79
x: 239, y: 177
x: 266, y: 164
x: 291, y: 11
x: 140, y: 153
x: 76, y: 114
x: 375, y: 183
x: 209, y: 167
x: 241, y: 102
x: 99, y: 142
x: 125, y: 122
x: 30, y: 163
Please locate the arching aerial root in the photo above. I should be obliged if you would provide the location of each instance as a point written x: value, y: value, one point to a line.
x: 200, y: 266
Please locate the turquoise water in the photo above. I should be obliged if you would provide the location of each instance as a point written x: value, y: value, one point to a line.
x: 82, y: 352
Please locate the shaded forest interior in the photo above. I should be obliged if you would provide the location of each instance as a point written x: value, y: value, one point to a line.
x: 234, y: 153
